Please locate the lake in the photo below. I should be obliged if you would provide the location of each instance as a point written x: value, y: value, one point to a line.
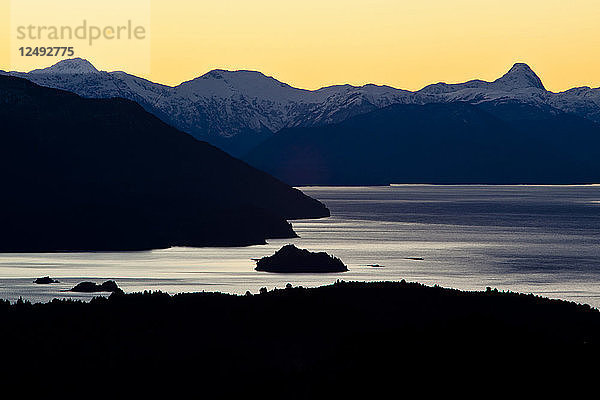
x: 532, y: 239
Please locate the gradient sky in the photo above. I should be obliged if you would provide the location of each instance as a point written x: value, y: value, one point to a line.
x: 406, y: 44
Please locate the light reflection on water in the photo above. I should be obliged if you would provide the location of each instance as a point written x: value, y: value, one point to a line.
x: 539, y: 239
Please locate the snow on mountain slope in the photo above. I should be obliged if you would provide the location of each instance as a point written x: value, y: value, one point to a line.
x: 337, y: 103
x: 70, y: 66
x: 520, y: 76
x: 221, y: 83
x: 236, y: 110
x: 582, y: 101
x: 519, y: 83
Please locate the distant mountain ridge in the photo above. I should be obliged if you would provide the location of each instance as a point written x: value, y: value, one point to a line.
x: 236, y: 110
x: 438, y: 143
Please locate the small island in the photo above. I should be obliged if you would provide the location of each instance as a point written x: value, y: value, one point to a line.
x: 45, y: 281
x: 91, y: 287
x: 290, y: 259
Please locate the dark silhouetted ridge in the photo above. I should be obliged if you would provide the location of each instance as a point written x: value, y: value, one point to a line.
x: 347, y: 338
x: 84, y: 174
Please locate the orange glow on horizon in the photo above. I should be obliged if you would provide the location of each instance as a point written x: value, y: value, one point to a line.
x: 405, y: 44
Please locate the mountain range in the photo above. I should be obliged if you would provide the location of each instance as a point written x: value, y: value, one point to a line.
x: 104, y: 174
x: 438, y: 143
x: 237, y: 110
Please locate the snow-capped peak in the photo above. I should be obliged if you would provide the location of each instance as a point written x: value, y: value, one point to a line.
x: 520, y: 76
x: 70, y: 66
x: 251, y: 84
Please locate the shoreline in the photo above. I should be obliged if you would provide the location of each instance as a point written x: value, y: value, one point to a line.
x: 97, y: 296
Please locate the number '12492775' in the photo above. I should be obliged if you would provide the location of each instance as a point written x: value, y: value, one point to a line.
x: 46, y: 51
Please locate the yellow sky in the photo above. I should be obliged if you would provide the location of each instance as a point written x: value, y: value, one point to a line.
x: 406, y: 44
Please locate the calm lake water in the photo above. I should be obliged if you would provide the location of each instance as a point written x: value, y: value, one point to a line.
x: 533, y: 239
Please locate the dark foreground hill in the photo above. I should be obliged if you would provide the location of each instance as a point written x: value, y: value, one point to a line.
x: 452, y: 143
x: 304, y: 343
x: 82, y: 174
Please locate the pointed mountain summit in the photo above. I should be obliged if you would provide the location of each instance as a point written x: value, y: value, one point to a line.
x: 70, y: 66
x: 520, y: 76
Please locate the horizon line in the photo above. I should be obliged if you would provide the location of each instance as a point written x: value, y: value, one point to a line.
x: 297, y: 87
